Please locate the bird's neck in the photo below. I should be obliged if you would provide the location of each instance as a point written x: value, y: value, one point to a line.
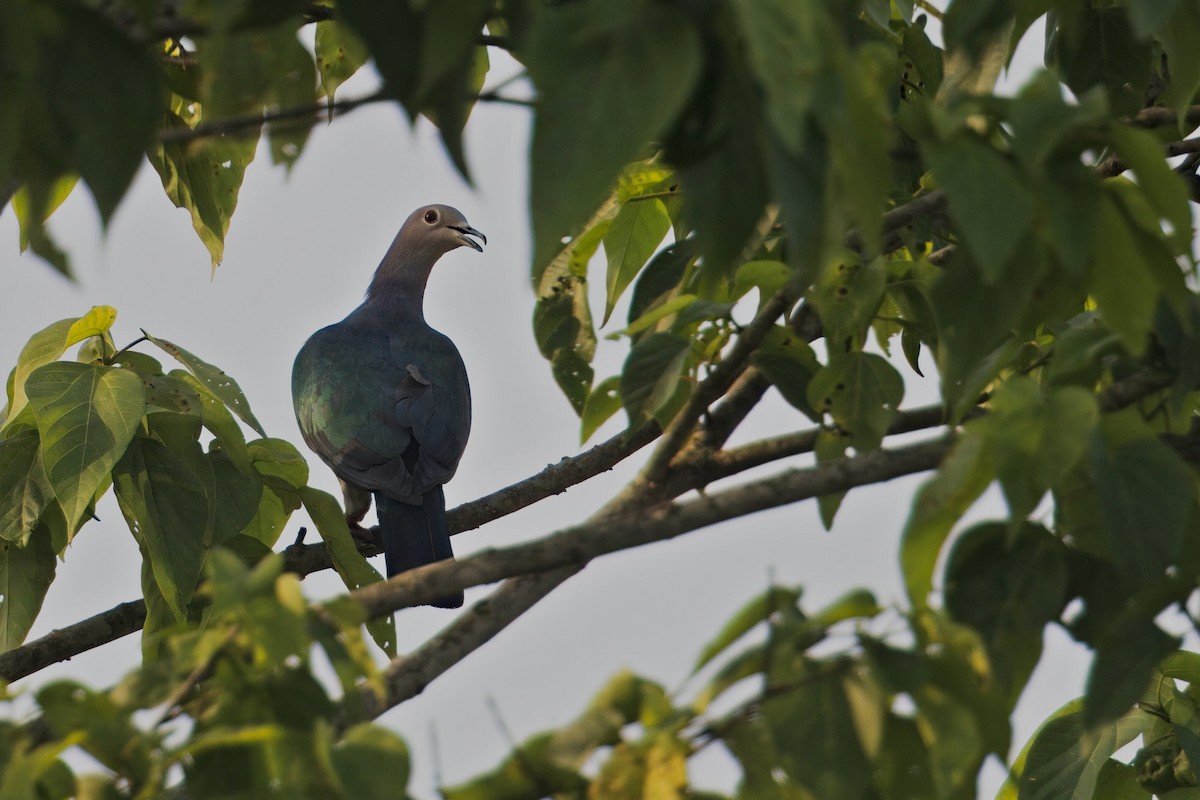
x: 398, y: 288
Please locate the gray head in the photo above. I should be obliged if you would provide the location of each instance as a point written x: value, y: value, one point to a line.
x: 429, y: 233
x: 438, y: 229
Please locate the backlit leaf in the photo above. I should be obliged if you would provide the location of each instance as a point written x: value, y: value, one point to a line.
x: 214, y: 380
x: 86, y: 416
x: 634, y: 235
x: 25, y: 575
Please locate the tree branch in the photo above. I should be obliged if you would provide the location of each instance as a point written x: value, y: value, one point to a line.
x: 407, y: 676
x: 122, y: 620
x: 1113, y: 165
x: 1162, y: 116
x: 577, y: 545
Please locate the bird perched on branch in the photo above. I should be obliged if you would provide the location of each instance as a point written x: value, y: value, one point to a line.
x: 383, y: 398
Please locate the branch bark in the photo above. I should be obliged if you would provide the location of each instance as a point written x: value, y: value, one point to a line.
x: 122, y: 620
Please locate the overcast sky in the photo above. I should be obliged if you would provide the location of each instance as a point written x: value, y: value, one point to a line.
x: 298, y: 256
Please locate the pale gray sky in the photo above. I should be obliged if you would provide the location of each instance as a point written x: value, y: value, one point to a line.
x: 298, y: 256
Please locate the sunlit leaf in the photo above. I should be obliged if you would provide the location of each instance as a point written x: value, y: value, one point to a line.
x: 214, y: 380
x: 86, y: 417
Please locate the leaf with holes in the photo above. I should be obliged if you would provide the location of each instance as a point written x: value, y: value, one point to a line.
x: 214, y: 381
x: 861, y: 392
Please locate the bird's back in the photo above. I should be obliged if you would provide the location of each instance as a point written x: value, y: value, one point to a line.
x: 387, y: 407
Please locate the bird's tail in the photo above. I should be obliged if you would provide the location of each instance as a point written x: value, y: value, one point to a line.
x: 416, y: 535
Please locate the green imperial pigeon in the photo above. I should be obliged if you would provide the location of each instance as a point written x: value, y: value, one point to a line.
x: 383, y: 399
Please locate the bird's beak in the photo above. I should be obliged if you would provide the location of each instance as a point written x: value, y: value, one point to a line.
x: 464, y: 234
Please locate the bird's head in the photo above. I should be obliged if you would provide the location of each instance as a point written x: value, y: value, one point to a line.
x: 444, y: 228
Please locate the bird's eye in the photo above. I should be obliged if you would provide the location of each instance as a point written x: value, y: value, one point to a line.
x: 431, y: 216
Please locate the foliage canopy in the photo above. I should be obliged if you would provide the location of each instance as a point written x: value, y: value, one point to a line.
x: 799, y: 194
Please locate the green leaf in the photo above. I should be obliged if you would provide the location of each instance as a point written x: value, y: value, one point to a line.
x: 237, y: 499
x: 721, y: 168
x: 1177, y: 38
x: 48, y: 345
x: 787, y: 46
x: 347, y: 560
x: 861, y: 392
x: 830, y: 446
x: 651, y: 375
x: 215, y: 416
x: 602, y: 403
x: 279, y: 463
x: 214, y: 381
x: 204, y: 178
x: 339, y: 54
x: 371, y: 763
x: 1160, y: 184
x: 1097, y: 46
x: 1146, y: 496
x: 631, y: 240
x: 651, y: 319
x: 813, y: 731
x: 1063, y: 759
x: 1035, y: 438
x: 112, y: 110
x: 31, y: 219
x: 270, y: 518
x: 392, y: 33
x: 766, y: 276
x: 790, y: 364
x: 639, y: 62
x: 86, y: 417
x: 777, y: 599
x: 1123, y: 668
x: 165, y: 500
x: 941, y: 501
x: 562, y: 318
x: 26, y: 572
x: 1007, y: 586
x: 988, y: 201
x: 847, y: 295
x: 108, y: 732
x: 24, y: 491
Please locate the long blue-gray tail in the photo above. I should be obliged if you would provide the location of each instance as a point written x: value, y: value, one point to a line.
x: 416, y: 535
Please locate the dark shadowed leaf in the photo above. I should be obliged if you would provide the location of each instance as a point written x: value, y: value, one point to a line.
x: 651, y: 375
x: 988, y: 200
x: 165, y: 500
x: 1146, y: 496
x: 1007, y: 587
x: 1123, y: 667
x: 640, y: 63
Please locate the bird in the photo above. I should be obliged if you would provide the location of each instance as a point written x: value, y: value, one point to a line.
x: 382, y: 398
